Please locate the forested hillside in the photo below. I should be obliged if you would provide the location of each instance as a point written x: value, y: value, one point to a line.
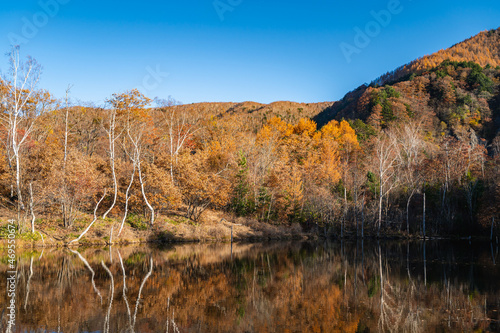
x: 483, y: 49
x: 447, y: 107
x: 418, y: 156
x: 446, y: 122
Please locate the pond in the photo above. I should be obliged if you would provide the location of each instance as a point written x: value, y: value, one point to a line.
x: 263, y: 287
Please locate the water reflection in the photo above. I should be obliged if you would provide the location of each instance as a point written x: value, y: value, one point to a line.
x: 279, y: 287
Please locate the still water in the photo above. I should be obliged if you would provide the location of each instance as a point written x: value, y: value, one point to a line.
x: 272, y: 287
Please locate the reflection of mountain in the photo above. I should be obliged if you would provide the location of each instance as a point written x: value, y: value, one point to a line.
x: 258, y: 288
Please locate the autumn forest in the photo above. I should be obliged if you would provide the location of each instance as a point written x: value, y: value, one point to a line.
x: 416, y: 153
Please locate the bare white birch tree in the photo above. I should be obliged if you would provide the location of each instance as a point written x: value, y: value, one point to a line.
x: 112, y: 137
x: 131, y: 103
x: 385, y: 163
x: 181, y: 124
x: 66, y: 204
x: 137, y: 155
x: 132, y: 318
x: 408, y: 147
x: 133, y: 158
x: 20, y: 84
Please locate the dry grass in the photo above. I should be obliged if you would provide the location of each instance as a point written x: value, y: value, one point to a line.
x: 214, y: 226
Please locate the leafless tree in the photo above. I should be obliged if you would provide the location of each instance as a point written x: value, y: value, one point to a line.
x: 20, y: 101
x: 385, y: 164
x: 136, y: 158
x: 66, y: 124
x: 408, y: 146
x: 125, y: 293
x: 181, y: 124
x: 112, y: 137
x: 143, y: 283
x: 495, y: 145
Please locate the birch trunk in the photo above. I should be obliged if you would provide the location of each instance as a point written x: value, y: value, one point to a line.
x: 33, y: 218
x: 112, y: 139
x: 127, y: 197
x: 141, y: 181
x: 93, y: 221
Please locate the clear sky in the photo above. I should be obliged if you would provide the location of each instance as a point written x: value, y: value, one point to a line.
x: 230, y: 50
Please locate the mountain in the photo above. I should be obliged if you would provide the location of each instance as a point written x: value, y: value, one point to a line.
x: 452, y: 92
x: 483, y: 49
x: 258, y: 113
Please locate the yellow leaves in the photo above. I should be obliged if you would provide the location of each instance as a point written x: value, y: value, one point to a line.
x: 305, y: 127
x: 265, y: 134
x: 162, y: 192
x: 216, y: 157
x: 281, y: 126
x: 275, y: 128
x: 331, y: 130
x: 307, y: 157
x: 294, y: 188
x: 201, y: 182
x: 304, y: 136
x: 342, y: 133
x: 475, y: 120
x: 218, y: 154
x: 330, y: 162
x: 131, y: 103
x: 315, y: 153
x: 129, y: 99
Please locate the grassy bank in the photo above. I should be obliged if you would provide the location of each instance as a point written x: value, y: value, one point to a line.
x: 171, y: 228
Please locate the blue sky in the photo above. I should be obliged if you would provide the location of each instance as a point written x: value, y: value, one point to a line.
x: 246, y: 50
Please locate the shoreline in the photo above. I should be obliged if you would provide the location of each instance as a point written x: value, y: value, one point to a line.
x: 39, y: 244
x: 169, y: 230
x: 176, y: 229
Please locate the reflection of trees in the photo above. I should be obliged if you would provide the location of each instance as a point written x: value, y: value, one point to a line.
x: 28, y: 284
x: 112, y: 293
x: 85, y: 262
x: 398, y: 312
x: 410, y: 302
x: 125, y: 299
x: 277, y: 287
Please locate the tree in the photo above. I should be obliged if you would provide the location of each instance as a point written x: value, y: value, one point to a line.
x: 66, y: 134
x: 116, y: 102
x: 23, y: 104
x: 202, y: 180
x: 73, y: 186
x: 408, y: 146
x: 133, y: 105
x: 180, y: 126
x: 385, y: 167
x: 344, y: 137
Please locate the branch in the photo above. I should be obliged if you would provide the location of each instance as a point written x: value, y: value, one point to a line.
x: 95, y: 219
